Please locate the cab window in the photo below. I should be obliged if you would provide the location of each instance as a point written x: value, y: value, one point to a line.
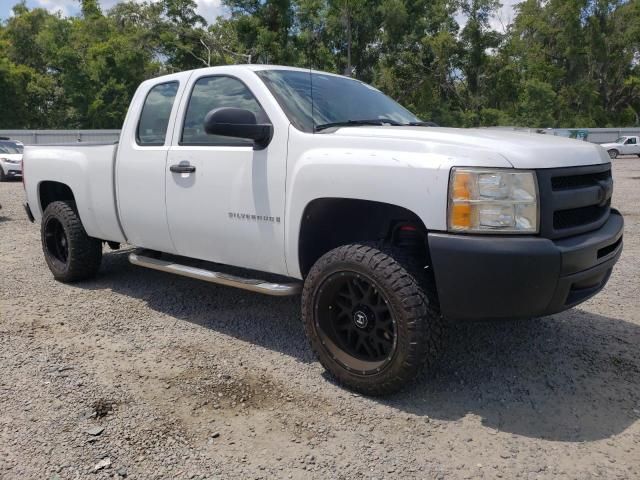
x: 154, y: 119
x: 214, y: 92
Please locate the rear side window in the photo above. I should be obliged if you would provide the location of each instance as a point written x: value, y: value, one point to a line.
x: 215, y: 92
x: 154, y: 119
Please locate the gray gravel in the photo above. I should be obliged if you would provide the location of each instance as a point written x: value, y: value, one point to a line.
x: 141, y: 374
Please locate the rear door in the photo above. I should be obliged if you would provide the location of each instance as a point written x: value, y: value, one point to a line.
x: 141, y: 161
x: 230, y: 208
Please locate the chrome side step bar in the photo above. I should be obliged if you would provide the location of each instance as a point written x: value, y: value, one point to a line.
x: 260, y: 286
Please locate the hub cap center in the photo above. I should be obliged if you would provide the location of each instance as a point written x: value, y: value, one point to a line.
x: 360, y: 319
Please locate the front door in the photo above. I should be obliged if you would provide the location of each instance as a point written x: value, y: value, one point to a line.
x: 225, y: 200
x: 630, y: 146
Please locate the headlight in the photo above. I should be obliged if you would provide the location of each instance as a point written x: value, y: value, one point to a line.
x: 9, y: 160
x: 485, y: 200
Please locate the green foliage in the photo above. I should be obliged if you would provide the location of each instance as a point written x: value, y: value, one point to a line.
x: 537, y: 104
x: 561, y: 63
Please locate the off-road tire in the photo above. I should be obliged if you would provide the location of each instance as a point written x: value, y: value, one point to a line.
x: 3, y: 177
x: 84, y: 252
x: 613, y: 153
x: 403, y: 280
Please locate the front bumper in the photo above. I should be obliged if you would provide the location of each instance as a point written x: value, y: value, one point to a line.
x: 482, y: 277
x: 12, y: 169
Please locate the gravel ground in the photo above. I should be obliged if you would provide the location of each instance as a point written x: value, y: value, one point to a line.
x: 142, y: 374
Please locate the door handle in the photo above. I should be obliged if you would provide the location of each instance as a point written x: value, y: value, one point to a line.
x: 182, y: 168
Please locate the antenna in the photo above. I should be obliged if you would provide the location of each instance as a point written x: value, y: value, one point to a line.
x: 313, y: 121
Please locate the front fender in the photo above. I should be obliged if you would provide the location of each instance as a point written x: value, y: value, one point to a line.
x: 417, y: 181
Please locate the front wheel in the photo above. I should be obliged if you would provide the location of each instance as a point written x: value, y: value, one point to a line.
x: 613, y: 154
x: 372, y: 322
x: 70, y: 253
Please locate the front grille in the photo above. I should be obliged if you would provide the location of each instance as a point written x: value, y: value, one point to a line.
x: 574, y: 200
x: 574, y: 217
x: 579, y: 181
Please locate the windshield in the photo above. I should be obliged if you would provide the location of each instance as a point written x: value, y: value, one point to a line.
x: 620, y: 140
x: 335, y: 99
x: 10, y: 148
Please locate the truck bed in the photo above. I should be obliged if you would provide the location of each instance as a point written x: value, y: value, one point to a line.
x: 88, y: 169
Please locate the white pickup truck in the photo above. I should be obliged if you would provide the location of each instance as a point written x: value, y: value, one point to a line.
x: 629, y: 145
x: 386, y: 225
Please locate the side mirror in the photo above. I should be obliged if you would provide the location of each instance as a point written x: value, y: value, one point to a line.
x: 239, y: 123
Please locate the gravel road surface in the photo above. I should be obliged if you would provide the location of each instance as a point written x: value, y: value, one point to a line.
x: 141, y: 374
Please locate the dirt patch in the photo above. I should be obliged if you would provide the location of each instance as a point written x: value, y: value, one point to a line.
x: 103, y: 407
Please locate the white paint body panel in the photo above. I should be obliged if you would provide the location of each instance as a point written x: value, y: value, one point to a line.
x: 189, y: 213
x: 88, y: 171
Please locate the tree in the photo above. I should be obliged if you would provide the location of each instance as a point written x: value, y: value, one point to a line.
x: 180, y: 34
x: 90, y: 8
x: 476, y: 40
x: 264, y: 29
x: 571, y: 63
x: 584, y: 51
x: 353, y: 29
x: 418, y: 45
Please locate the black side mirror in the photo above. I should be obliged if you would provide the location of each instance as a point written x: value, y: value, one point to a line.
x: 239, y: 123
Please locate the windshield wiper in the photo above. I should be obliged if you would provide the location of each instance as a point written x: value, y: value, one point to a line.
x: 421, y: 124
x: 355, y: 123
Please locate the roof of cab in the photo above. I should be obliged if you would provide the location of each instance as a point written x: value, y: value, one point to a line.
x: 227, y: 68
x: 254, y: 67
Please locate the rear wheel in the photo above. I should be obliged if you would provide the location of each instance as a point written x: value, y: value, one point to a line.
x: 369, y: 319
x: 70, y: 253
x: 613, y: 153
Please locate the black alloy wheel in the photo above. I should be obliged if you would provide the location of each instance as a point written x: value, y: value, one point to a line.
x: 355, y: 323
x: 56, y: 241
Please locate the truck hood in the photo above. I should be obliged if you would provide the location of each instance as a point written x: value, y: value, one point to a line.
x: 520, y: 149
x: 610, y: 145
x: 11, y: 156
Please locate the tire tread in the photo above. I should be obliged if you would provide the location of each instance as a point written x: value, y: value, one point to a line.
x: 404, y: 277
x: 85, y: 252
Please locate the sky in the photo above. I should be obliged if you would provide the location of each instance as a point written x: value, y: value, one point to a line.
x: 504, y: 17
x: 210, y: 9
x: 500, y: 21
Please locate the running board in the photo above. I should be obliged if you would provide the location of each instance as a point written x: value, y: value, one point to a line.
x: 260, y: 286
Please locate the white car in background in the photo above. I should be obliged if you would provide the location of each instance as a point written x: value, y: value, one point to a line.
x: 629, y: 145
x: 10, y: 159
